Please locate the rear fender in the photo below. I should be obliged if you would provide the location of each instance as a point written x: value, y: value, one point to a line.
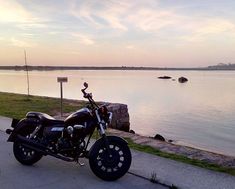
x: 21, y: 126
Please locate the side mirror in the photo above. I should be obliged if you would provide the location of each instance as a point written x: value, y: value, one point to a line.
x: 85, y: 84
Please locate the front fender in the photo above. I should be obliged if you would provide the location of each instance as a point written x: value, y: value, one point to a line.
x: 20, y: 127
x: 101, y: 141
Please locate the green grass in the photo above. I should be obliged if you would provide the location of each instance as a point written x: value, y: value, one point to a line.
x: 199, y: 163
x: 17, y: 105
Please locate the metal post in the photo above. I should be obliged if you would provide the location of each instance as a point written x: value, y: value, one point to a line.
x: 27, y: 70
x: 61, y: 99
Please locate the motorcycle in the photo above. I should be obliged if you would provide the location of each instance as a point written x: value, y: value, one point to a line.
x: 39, y: 134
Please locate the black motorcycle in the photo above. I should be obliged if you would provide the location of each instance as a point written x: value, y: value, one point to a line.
x: 39, y: 134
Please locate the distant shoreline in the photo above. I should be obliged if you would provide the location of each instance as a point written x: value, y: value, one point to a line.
x: 51, y: 68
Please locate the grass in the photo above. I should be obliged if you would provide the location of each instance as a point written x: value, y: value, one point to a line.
x: 199, y: 163
x: 153, y: 177
x: 17, y: 105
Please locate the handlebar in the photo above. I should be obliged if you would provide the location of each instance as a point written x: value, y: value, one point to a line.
x: 83, y: 90
x: 88, y: 96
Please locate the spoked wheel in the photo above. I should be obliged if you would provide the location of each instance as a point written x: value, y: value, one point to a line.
x: 25, y: 155
x: 110, y: 164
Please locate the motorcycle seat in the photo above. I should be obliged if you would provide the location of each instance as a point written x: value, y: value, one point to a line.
x: 44, y: 118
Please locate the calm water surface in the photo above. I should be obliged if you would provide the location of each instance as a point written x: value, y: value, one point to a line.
x: 198, y: 113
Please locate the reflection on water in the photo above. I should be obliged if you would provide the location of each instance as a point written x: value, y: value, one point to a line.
x: 198, y: 113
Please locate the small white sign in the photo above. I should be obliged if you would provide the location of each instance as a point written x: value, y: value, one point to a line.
x: 62, y: 79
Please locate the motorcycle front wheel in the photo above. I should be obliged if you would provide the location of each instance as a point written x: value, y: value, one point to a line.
x: 110, y: 164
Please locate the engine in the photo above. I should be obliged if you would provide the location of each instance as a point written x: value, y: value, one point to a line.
x: 65, y: 141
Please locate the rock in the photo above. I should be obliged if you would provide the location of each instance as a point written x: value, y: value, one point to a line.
x: 120, y: 120
x: 170, y: 141
x: 159, y: 137
x: 164, y: 77
x: 182, y: 79
x: 132, y: 131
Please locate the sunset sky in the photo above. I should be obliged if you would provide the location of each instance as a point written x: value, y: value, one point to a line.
x: 161, y: 33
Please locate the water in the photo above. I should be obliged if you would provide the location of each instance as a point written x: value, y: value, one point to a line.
x: 198, y: 113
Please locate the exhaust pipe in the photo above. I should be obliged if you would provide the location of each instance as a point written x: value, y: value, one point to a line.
x: 9, y: 131
x: 39, y: 148
x: 31, y: 144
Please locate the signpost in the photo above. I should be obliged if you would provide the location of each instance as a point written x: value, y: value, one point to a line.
x: 61, y: 80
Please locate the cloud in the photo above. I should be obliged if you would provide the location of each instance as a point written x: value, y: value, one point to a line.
x: 113, y: 21
x: 141, y: 18
x: 28, y: 34
x: 123, y: 15
x: 15, y: 13
x: 210, y: 28
x: 20, y: 43
x: 11, y: 11
x: 151, y: 20
x: 84, y: 39
x: 53, y: 32
x: 31, y: 24
x: 215, y: 26
x: 115, y: 14
x: 101, y: 14
x: 84, y: 13
x: 130, y: 46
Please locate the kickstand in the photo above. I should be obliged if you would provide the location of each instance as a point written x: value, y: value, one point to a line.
x: 80, y: 163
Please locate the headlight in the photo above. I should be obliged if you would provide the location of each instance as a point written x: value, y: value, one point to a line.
x: 104, y: 114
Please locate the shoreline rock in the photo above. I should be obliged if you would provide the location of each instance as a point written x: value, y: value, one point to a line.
x: 164, y: 77
x: 159, y: 137
x: 192, y: 153
x: 182, y: 79
x: 120, y: 120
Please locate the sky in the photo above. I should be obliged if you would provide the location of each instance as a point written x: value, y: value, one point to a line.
x: 159, y: 33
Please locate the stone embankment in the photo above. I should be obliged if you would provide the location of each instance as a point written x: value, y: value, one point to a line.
x: 192, y: 153
x: 121, y: 122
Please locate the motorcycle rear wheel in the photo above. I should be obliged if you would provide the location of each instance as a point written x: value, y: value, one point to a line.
x: 110, y: 166
x: 23, y: 154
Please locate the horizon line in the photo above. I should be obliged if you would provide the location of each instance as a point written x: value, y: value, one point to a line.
x: 44, y: 68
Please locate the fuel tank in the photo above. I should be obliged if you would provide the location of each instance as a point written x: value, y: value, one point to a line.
x: 83, y: 118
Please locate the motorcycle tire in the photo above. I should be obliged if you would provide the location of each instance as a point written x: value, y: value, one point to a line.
x: 113, y: 165
x: 23, y: 154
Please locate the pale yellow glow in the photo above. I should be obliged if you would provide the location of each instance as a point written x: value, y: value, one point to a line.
x: 117, y: 33
x: 11, y: 11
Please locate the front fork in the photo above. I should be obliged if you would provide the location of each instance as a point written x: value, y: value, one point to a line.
x: 101, y: 128
x: 102, y: 133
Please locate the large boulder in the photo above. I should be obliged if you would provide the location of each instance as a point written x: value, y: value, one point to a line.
x: 120, y: 120
x: 182, y: 79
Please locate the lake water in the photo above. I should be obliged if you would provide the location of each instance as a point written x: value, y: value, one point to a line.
x: 199, y: 113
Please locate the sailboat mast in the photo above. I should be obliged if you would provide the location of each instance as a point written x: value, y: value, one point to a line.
x: 27, y: 71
